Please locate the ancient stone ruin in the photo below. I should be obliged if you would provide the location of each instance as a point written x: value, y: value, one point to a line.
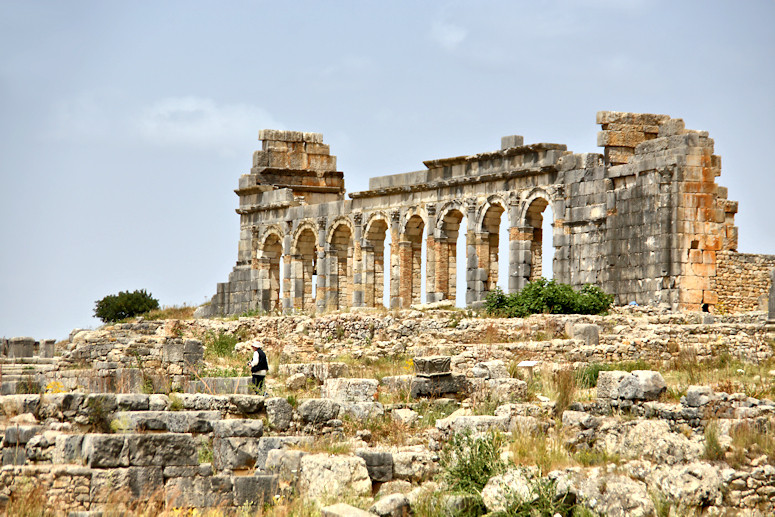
x: 645, y: 220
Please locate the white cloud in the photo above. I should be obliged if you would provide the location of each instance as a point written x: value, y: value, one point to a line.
x: 447, y: 35
x: 201, y: 122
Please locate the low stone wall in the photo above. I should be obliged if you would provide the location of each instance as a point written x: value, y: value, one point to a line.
x: 742, y: 281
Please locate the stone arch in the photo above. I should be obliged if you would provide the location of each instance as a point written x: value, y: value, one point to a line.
x: 530, y: 231
x: 340, y: 264
x: 270, y: 254
x: 373, y: 256
x: 448, y: 227
x: 489, y: 219
x: 304, y: 265
x: 410, y: 258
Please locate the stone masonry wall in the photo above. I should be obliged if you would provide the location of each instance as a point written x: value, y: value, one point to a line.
x: 743, y: 280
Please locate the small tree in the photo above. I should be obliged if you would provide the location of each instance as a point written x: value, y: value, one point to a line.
x: 115, y: 307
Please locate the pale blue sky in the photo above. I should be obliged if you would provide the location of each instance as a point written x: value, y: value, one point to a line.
x: 124, y: 126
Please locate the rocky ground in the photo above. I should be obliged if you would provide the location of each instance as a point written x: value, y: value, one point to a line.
x: 424, y: 412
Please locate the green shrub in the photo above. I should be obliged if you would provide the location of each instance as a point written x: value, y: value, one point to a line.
x: 470, y: 462
x: 547, y: 296
x: 116, y: 307
x: 221, y: 344
x: 542, y: 502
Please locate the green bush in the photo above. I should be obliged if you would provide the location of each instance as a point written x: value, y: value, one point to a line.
x: 220, y: 344
x: 547, y: 296
x: 469, y: 462
x: 116, y: 307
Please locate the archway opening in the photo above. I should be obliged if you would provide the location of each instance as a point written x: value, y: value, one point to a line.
x: 341, y: 267
x: 540, y: 219
x: 411, y: 252
x: 304, y: 270
x: 271, y: 259
x: 377, y: 284
x: 492, y: 249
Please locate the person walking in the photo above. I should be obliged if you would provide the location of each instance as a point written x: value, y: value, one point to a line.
x: 258, y: 368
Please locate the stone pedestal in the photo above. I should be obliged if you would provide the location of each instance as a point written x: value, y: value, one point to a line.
x: 47, y: 348
x: 21, y: 347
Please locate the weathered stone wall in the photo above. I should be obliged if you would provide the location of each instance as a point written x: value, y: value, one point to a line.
x: 743, y: 281
x: 644, y: 220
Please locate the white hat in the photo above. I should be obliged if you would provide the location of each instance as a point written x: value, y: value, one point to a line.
x: 256, y: 344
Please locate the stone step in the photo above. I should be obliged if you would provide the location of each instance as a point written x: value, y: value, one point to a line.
x: 22, y: 368
x: 221, y: 386
x: 170, y: 421
x: 28, y: 360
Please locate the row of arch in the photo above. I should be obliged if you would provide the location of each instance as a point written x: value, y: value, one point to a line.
x: 344, y: 263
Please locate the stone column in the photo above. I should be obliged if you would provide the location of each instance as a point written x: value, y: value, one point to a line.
x: 297, y: 281
x: 771, y: 312
x: 472, y: 261
x: 358, y: 295
x: 430, y: 256
x: 520, y: 244
x: 368, y: 270
x: 287, y: 295
x: 395, y: 265
x: 322, y: 280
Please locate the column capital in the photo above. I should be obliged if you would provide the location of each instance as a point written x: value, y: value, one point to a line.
x: 431, y: 209
x: 395, y: 216
x: 358, y: 218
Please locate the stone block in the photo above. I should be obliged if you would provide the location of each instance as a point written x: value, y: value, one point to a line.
x: 269, y: 443
x: 512, y: 141
x: 238, y: 428
x: 393, y: 505
x: 235, y: 452
x: 642, y: 385
x: 256, y: 490
x: 14, y: 456
x: 132, y: 401
x: 608, y: 384
x: 104, y: 451
x: 378, y: 463
x: 432, y: 365
x: 284, y: 462
x: 436, y: 386
x: 161, y: 449
x: 279, y: 413
x: 350, y: 390
x: 589, y: 333
x: 318, y: 411
x: 771, y: 304
x: 145, y: 481
x: 344, y: 510
x: 67, y: 448
x: 21, y: 347
x: 333, y: 476
x: 20, y: 434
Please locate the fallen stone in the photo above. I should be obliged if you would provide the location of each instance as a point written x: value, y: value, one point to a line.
x: 325, y: 475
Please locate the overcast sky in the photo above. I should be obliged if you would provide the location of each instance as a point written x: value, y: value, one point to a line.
x: 124, y: 126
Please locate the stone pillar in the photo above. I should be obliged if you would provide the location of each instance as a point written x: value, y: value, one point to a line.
x: 430, y: 256
x: 369, y: 274
x: 358, y: 295
x: 287, y: 295
x: 472, y: 261
x: 264, y: 265
x: 297, y: 281
x: 395, y: 264
x: 520, y: 244
x: 771, y: 312
x: 322, y: 280
x: 405, y: 265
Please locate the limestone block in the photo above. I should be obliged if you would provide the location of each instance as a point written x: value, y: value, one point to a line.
x: 378, y: 463
x: 269, y: 443
x: 473, y: 423
x: 590, y: 333
x: 256, y: 490
x: 132, y: 401
x: 161, y: 449
x: 414, y: 466
x: 394, y: 505
x: 284, y: 462
x: 579, y: 419
x: 21, y: 347
x: 279, y: 413
x: 158, y: 402
x: 67, y: 448
x: 344, y: 510
x: 325, y: 475
x: 396, y: 382
x: 437, y: 386
x: 243, y: 404
x: 238, y: 428
x: 405, y: 416
x: 104, y: 451
x: 642, y: 385
x: 361, y: 411
x: 296, y: 381
x: 608, y: 384
x: 200, y: 491
x: 144, y: 481
x: 235, y: 452
x: 318, y: 411
x: 20, y: 434
x: 697, y: 396
x: 350, y: 390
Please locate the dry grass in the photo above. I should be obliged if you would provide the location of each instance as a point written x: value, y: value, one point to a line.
x: 751, y: 441
x: 173, y: 312
x: 542, y: 450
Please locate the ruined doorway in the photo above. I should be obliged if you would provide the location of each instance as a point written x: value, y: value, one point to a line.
x: 410, y: 250
x: 540, y: 222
